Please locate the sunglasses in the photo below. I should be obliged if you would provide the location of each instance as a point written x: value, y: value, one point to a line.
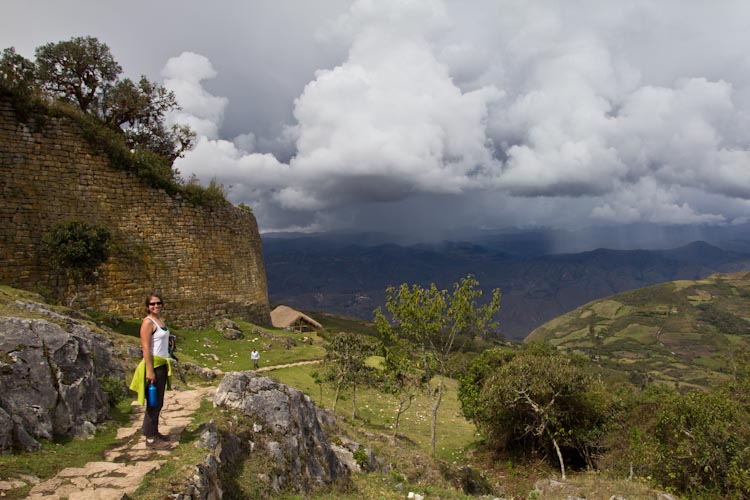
x: 156, y: 303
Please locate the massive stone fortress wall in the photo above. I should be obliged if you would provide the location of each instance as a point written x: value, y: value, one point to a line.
x: 207, y: 262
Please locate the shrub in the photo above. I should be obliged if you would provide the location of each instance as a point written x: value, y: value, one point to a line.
x: 547, y: 404
x: 211, y: 196
x: 114, y: 388
x: 724, y: 321
x: 473, y: 379
x: 694, y: 443
x: 244, y: 207
x: 362, y: 458
x: 78, y: 247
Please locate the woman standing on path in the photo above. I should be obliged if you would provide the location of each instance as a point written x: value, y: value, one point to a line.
x: 154, y: 368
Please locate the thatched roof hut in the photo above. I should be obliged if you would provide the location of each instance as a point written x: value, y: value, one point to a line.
x: 286, y: 317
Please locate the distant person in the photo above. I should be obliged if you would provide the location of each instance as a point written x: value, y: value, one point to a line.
x: 155, y: 368
x: 255, y: 356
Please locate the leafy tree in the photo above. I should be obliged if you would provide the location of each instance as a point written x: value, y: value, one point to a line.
x: 696, y: 443
x: 345, y: 357
x: 78, y: 248
x: 539, y: 402
x: 402, y: 378
x: 471, y: 383
x: 83, y: 71
x: 432, y: 320
x: 136, y: 106
x: 122, y: 118
x: 139, y: 110
x: 16, y: 73
x: 319, y: 380
x: 77, y: 70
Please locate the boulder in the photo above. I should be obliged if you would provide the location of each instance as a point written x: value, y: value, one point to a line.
x: 48, y: 380
x: 289, y: 428
x: 229, y: 329
x: 233, y: 335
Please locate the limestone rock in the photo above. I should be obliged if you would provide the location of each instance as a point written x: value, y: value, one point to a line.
x: 292, y: 432
x: 48, y: 380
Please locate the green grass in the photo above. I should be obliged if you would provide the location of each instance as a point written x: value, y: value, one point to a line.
x: 641, y: 333
x: 606, y: 308
x: 208, y: 348
x: 458, y: 443
x: 377, y: 411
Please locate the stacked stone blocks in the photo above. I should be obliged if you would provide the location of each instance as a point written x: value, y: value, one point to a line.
x: 206, y: 261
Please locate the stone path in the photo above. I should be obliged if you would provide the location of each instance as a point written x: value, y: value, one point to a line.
x: 124, y: 466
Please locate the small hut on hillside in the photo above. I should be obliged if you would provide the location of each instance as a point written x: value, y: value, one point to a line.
x: 286, y: 317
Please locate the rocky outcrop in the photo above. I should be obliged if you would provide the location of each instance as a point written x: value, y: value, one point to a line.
x: 286, y: 427
x: 49, y: 380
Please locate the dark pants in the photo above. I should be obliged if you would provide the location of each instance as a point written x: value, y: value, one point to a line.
x: 151, y: 417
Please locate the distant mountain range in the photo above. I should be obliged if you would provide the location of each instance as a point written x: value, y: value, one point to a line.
x: 347, y: 274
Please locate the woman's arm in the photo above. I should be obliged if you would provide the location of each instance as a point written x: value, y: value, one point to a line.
x: 147, y: 330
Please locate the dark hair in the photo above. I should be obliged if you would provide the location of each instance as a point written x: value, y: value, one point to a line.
x: 150, y: 296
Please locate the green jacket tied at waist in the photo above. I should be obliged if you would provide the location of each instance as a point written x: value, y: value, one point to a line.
x: 139, y: 377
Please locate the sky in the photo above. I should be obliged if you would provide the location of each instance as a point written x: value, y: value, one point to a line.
x: 423, y: 116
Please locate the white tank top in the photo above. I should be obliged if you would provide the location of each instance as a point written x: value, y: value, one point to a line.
x: 159, y: 340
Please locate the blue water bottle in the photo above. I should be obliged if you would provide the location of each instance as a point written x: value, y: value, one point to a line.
x: 152, y: 398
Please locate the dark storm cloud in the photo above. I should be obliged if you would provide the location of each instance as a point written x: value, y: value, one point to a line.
x: 493, y: 113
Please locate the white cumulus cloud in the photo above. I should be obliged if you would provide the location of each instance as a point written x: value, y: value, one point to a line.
x: 522, y: 105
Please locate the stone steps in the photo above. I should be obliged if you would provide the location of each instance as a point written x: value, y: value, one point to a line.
x: 124, y: 465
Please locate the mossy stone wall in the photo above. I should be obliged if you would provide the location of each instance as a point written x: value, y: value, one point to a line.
x: 206, y: 262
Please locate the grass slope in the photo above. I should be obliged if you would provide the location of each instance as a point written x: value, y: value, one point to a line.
x: 681, y: 332
x: 411, y: 467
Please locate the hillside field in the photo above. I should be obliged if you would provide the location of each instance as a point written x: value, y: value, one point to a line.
x: 681, y: 333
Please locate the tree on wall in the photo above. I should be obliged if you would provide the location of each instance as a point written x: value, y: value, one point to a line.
x: 139, y: 110
x: 77, y: 248
x: 124, y: 119
x: 17, y: 74
x: 433, y: 320
x: 78, y: 70
x: 83, y: 71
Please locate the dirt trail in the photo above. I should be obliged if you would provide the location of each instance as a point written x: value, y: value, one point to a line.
x: 124, y: 466
x: 218, y: 371
x: 275, y: 367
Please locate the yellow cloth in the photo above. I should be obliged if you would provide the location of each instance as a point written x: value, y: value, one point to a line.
x: 139, y: 377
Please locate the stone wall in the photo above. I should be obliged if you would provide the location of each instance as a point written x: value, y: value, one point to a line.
x: 206, y: 262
